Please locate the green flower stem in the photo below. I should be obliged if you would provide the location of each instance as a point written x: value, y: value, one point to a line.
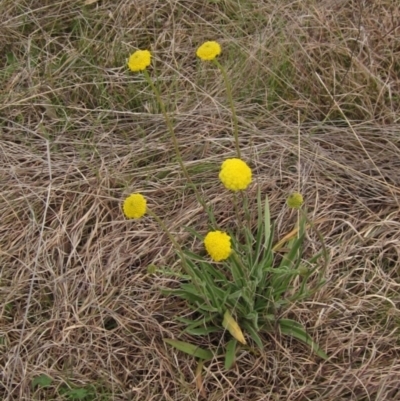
x: 230, y: 98
x: 169, y: 124
x: 245, y: 203
x: 236, y: 208
x: 175, y: 142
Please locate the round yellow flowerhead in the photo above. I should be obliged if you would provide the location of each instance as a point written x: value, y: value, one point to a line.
x: 295, y: 200
x: 218, y: 245
x: 235, y: 174
x: 139, y: 60
x: 209, y: 50
x: 135, y: 206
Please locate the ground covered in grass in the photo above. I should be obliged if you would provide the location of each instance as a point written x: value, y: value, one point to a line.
x: 79, y: 132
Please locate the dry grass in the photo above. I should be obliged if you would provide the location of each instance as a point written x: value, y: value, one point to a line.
x: 78, y: 133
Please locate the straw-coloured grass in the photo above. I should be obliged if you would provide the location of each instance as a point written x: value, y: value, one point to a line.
x: 79, y: 133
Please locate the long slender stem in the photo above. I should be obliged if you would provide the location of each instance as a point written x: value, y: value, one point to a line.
x: 171, y: 131
x: 298, y: 162
x: 169, y: 124
x: 232, y: 106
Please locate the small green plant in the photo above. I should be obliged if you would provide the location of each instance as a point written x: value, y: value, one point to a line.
x: 69, y: 392
x: 86, y: 393
x: 42, y: 381
x: 247, y: 291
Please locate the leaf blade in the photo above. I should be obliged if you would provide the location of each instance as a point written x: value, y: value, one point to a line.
x: 190, y: 349
x: 230, y: 354
x: 231, y: 325
x: 291, y: 328
x: 42, y: 381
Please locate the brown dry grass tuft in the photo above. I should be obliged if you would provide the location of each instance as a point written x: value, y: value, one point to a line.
x: 78, y: 133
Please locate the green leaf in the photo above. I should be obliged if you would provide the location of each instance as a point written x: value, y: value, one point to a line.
x: 42, y: 381
x: 190, y: 349
x: 289, y: 258
x: 253, y: 334
x: 170, y: 273
x: 192, y: 289
x: 263, y: 247
x: 267, y: 226
x: 253, y: 318
x: 230, y: 354
x: 202, y: 331
x: 294, y: 329
x: 241, y: 310
x: 214, y: 294
x: 249, y: 294
x: 207, y: 308
x: 294, y: 243
x: 184, y: 294
x: 194, y: 233
x: 235, y: 296
x: 283, y: 275
x: 260, y: 226
x: 237, y: 271
x: 249, y: 246
x: 78, y: 393
x: 191, y: 268
x: 204, y: 286
x: 261, y: 305
x: 213, y: 272
x: 198, y: 322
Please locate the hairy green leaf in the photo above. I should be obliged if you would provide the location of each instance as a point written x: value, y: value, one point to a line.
x: 253, y: 334
x: 190, y: 349
x: 291, y: 328
x: 230, y: 354
x: 202, y: 331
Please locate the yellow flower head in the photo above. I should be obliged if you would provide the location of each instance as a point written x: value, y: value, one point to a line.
x: 139, y: 60
x: 295, y: 200
x: 134, y: 206
x: 235, y: 174
x: 218, y: 245
x: 209, y: 50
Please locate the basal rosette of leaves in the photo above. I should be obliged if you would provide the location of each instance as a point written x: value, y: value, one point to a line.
x: 246, y: 294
